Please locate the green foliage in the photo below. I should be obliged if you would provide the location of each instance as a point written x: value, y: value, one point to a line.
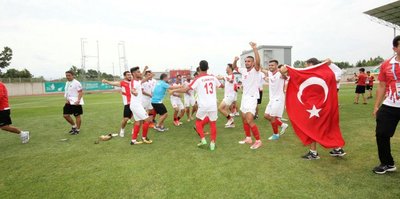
x: 14, y: 73
x: 90, y: 74
x: 299, y: 64
x: 371, y: 62
x: 5, y: 57
x: 173, y: 166
x: 343, y: 64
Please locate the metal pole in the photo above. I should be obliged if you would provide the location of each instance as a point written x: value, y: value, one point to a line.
x: 98, y: 61
x: 119, y: 60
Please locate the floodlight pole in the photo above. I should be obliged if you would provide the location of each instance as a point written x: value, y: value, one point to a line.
x: 83, y: 66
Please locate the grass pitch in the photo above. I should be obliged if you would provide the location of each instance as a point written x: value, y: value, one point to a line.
x: 173, y: 166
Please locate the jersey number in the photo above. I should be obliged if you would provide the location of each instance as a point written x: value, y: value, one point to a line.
x: 209, y: 88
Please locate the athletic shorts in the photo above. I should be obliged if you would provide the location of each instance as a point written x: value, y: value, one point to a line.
x: 189, y: 100
x: 259, y: 100
x: 360, y: 89
x: 387, y: 119
x: 248, y: 105
x: 228, y: 100
x: 275, y: 107
x: 5, y: 118
x: 138, y: 112
x: 127, y: 111
x: 369, y: 87
x: 72, y: 110
x: 159, y: 108
x: 212, y: 115
x: 177, y: 103
x: 146, y: 102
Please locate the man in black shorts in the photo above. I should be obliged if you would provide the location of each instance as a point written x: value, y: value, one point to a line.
x: 157, y: 98
x: 74, y: 101
x: 5, y: 119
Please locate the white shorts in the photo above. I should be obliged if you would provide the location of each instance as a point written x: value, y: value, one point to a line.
x: 275, y: 107
x: 248, y: 105
x: 146, y: 102
x: 138, y: 112
x: 235, y: 97
x: 177, y: 103
x: 228, y: 100
x: 189, y: 100
x: 212, y: 115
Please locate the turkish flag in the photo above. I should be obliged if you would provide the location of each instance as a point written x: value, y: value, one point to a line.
x: 312, y: 105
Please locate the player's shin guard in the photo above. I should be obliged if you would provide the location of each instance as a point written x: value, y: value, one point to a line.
x: 213, y: 128
x: 199, y: 128
x: 136, y: 129
x: 255, y: 131
x: 246, y: 128
x: 145, y: 129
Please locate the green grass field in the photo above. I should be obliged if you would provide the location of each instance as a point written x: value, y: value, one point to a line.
x: 173, y: 166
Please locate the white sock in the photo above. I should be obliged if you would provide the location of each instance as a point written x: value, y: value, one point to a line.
x: 74, y: 126
x: 122, y: 131
x: 314, y: 152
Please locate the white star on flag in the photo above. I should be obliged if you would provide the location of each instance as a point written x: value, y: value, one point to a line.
x: 314, y: 112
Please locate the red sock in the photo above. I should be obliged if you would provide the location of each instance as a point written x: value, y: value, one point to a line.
x: 199, y: 128
x: 175, y: 118
x: 136, y: 129
x: 278, y: 122
x: 256, y: 133
x: 145, y: 129
x: 154, y: 113
x: 246, y: 128
x: 213, y: 128
x: 274, y: 127
x: 206, y: 120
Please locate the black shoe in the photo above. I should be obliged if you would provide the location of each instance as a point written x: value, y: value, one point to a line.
x: 72, y: 130
x: 337, y: 152
x: 76, y: 132
x: 381, y: 169
x: 310, y: 156
x: 256, y: 117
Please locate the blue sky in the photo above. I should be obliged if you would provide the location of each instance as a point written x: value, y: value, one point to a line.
x: 45, y: 35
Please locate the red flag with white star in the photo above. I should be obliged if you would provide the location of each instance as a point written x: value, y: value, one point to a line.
x: 312, y: 105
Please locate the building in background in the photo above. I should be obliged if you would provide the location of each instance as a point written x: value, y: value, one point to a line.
x: 267, y: 53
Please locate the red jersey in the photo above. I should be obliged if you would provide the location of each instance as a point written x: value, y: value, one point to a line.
x: 3, y: 98
x: 362, y: 78
x: 126, y: 92
x: 371, y: 80
x: 390, y: 73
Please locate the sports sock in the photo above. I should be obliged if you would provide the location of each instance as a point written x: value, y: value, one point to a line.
x: 274, y: 127
x: 246, y: 128
x: 278, y: 122
x: 136, y: 129
x: 199, y: 128
x: 255, y: 131
x: 213, y: 129
x: 122, y: 131
x: 74, y: 126
x: 145, y: 128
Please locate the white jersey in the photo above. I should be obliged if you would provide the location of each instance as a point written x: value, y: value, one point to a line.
x: 250, y: 82
x: 72, y: 89
x: 338, y: 73
x: 276, y: 86
x: 190, y: 93
x: 136, y: 100
x: 229, y: 85
x: 262, y: 82
x: 173, y: 97
x: 206, y: 88
x: 148, y: 87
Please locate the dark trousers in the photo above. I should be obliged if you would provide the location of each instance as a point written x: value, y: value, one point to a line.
x: 387, y: 119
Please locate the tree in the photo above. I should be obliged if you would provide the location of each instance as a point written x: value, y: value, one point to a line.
x: 299, y: 64
x: 14, y: 73
x: 343, y: 64
x: 79, y: 73
x: 5, y: 57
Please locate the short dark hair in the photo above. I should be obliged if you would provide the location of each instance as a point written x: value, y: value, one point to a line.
x: 134, y: 69
x: 147, y: 72
x: 70, y: 72
x: 274, y: 60
x: 396, y: 41
x: 251, y: 57
x: 163, y: 76
x: 280, y: 65
x: 178, y: 75
x: 230, y: 66
x: 126, y: 72
x: 203, y: 65
x: 362, y: 70
x: 195, y: 74
x: 368, y: 71
x: 198, y: 69
x: 313, y: 61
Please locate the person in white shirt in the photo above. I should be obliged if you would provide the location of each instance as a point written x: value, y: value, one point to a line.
x: 206, y: 88
x: 74, y: 101
x: 147, y: 89
x: 139, y: 113
x: 250, y: 83
x: 188, y: 98
x: 276, y: 104
x: 176, y: 101
x: 260, y: 91
x: 229, y: 96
